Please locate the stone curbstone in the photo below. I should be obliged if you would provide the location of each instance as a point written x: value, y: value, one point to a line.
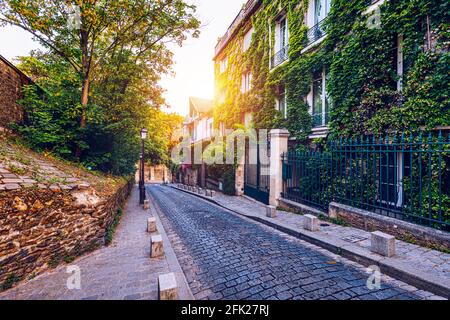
x: 156, y: 247
x: 167, y: 287
x: 382, y: 243
x: 310, y: 222
x: 151, y: 225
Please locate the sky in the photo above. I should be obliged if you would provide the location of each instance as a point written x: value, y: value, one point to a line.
x: 193, y: 66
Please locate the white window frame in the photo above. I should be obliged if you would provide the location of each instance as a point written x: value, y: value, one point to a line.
x: 324, y: 97
x: 398, y: 183
x: 223, y: 65
x: 278, y: 40
x: 400, y: 63
x: 278, y: 102
x: 246, y: 84
x: 247, y: 39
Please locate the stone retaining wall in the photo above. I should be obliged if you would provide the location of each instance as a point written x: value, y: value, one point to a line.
x: 40, y: 228
x: 402, y: 230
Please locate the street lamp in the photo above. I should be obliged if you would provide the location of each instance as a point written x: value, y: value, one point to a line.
x: 142, y: 172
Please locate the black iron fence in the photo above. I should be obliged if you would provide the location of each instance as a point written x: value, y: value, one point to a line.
x: 405, y: 177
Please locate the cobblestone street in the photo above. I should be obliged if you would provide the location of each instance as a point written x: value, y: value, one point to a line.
x: 225, y: 256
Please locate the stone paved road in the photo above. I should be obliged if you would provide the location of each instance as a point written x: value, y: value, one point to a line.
x: 225, y: 256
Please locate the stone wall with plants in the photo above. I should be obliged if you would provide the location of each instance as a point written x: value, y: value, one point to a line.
x: 361, y: 63
x: 11, y: 81
x: 43, y: 227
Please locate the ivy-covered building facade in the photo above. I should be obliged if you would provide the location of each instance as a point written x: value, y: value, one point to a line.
x: 329, y: 66
x: 363, y: 83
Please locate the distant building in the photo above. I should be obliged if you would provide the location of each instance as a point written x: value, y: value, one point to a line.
x: 199, y: 127
x: 199, y: 122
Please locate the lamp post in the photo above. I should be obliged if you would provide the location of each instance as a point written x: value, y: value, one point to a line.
x: 142, y: 169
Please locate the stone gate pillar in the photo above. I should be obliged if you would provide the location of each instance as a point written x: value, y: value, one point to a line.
x: 278, y: 145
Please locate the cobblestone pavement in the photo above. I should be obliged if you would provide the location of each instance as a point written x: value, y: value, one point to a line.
x: 123, y: 270
x: 423, y: 259
x: 225, y: 256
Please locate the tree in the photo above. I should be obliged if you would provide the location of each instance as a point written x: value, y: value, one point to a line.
x: 104, y: 27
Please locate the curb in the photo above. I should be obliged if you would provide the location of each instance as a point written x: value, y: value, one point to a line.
x: 185, y: 292
x: 388, y: 266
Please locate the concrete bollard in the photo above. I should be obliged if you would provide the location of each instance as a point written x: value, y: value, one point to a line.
x: 151, y: 225
x: 310, y: 222
x: 382, y: 243
x: 213, y: 193
x: 208, y: 193
x: 271, y: 212
x: 200, y: 191
x: 146, y: 204
x: 167, y: 287
x: 156, y: 247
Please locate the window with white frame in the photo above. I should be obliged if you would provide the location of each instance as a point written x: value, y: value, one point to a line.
x: 221, y: 96
x: 248, y: 119
x: 246, y: 85
x: 400, y: 68
x: 320, y: 100
x: 321, y: 10
x: 282, y: 35
x: 223, y: 64
x: 248, y: 39
x: 281, y: 100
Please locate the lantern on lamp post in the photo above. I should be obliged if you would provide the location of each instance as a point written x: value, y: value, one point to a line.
x: 142, y: 169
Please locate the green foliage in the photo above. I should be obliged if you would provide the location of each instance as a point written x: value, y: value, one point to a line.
x: 360, y: 60
x: 9, y: 282
x: 229, y: 178
x: 112, y: 228
x: 99, y: 82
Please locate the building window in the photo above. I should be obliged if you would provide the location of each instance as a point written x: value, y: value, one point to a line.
x: 248, y: 119
x: 400, y: 68
x: 246, y: 85
x: 393, y: 168
x: 248, y: 39
x: 281, y: 101
x: 321, y: 10
x: 281, y: 43
x: 318, y: 11
x: 223, y: 64
x: 221, y: 97
x: 320, y: 100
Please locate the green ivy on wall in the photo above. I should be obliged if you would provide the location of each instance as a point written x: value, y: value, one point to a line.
x: 360, y: 60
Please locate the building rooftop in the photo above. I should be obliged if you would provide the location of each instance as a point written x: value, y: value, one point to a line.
x: 247, y: 10
x: 200, y: 105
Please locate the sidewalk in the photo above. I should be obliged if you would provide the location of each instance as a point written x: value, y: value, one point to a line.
x: 421, y: 267
x: 121, y: 271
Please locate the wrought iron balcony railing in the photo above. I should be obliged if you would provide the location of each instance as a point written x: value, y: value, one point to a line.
x: 320, y: 119
x: 279, y: 57
x: 315, y: 33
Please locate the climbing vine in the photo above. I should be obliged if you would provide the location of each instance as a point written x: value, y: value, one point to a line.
x: 361, y: 61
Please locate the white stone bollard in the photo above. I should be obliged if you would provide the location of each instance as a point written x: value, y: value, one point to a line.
x: 213, y: 193
x: 310, y: 222
x: 271, y: 211
x: 151, y: 225
x: 382, y: 243
x: 156, y: 247
x: 167, y: 287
